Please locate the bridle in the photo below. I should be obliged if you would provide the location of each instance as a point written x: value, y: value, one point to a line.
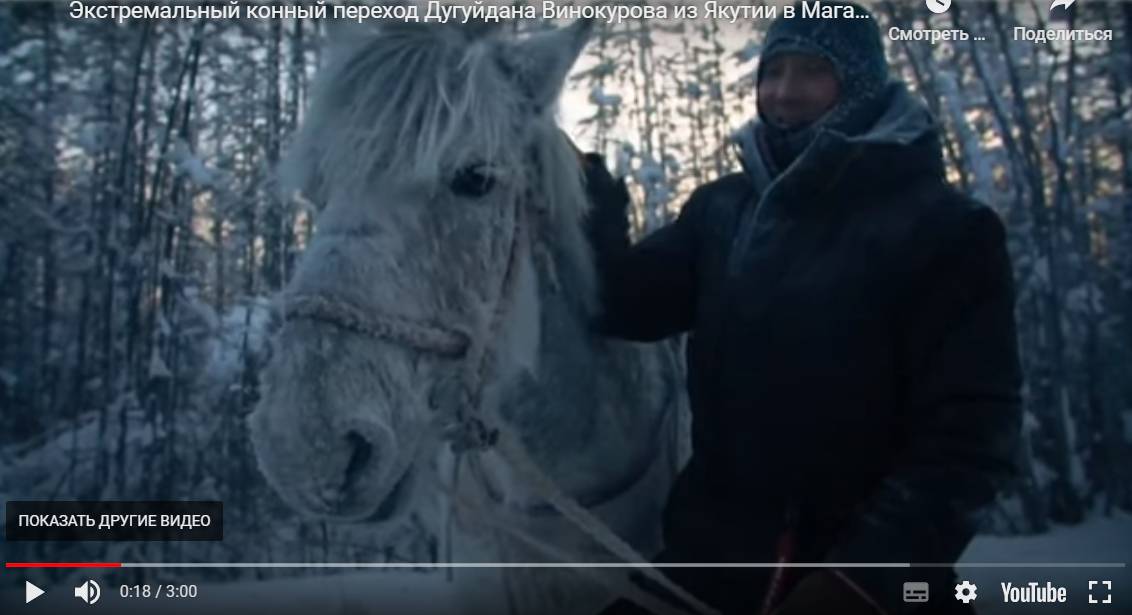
x: 461, y: 422
x: 469, y: 428
x: 426, y: 337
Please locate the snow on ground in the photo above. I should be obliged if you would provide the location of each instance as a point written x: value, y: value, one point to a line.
x: 1098, y: 540
x: 1101, y: 539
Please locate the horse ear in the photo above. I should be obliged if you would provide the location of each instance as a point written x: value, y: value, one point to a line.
x: 541, y: 62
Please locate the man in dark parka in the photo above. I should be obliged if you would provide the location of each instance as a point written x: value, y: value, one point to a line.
x: 851, y: 351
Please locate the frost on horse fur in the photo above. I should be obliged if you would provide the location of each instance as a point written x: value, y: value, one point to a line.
x: 449, y: 276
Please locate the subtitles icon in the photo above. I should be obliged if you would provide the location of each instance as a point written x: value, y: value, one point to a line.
x: 915, y: 591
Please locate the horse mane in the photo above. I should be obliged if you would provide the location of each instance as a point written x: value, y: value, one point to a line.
x: 406, y: 99
x: 399, y: 101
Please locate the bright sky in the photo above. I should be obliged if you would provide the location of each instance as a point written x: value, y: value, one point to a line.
x: 575, y: 104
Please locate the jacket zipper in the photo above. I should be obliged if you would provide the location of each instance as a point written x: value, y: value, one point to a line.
x: 748, y: 220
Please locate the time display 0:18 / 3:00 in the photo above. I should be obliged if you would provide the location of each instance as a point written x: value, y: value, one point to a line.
x: 167, y: 590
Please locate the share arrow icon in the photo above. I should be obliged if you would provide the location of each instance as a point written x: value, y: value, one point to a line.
x: 31, y: 592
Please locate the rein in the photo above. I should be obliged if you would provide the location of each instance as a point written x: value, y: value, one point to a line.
x: 468, y: 431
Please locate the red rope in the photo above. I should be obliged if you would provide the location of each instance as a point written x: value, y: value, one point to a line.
x: 778, y: 582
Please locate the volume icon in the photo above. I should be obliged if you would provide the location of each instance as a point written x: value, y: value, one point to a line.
x: 89, y: 592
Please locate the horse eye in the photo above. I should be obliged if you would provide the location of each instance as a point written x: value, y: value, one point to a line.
x: 472, y: 182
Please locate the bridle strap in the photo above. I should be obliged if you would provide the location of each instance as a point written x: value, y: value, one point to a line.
x: 399, y: 330
x: 472, y: 429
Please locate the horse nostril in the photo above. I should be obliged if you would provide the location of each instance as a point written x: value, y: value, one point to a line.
x: 361, y: 452
x: 366, y: 457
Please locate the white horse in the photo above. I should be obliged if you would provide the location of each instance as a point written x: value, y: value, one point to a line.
x: 435, y: 363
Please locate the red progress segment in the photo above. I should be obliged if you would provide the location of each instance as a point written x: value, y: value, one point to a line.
x: 62, y: 564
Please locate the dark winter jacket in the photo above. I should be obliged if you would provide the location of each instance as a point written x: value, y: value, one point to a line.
x: 852, y: 358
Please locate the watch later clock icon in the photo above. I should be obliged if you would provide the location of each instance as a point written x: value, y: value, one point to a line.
x: 938, y: 6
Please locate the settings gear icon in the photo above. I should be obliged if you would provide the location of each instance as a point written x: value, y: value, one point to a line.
x: 965, y: 592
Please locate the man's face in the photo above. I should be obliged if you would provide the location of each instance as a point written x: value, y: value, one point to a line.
x: 796, y: 89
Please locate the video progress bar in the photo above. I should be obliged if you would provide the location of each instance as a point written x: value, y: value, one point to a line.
x: 440, y: 565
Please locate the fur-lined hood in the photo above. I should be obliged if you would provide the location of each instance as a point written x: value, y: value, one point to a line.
x: 905, y: 134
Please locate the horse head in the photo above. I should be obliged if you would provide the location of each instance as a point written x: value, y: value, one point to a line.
x: 430, y: 148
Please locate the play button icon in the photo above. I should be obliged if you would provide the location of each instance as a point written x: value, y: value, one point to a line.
x: 31, y: 592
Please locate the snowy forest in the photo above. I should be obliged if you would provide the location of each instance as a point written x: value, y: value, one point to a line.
x: 144, y: 236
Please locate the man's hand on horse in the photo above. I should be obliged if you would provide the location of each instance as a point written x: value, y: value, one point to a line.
x: 603, y: 188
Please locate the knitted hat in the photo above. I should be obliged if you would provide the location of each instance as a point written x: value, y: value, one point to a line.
x: 853, y: 45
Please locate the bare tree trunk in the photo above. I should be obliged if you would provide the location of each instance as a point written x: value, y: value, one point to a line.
x: 45, y: 402
x: 108, y: 248
x: 1067, y: 506
x: 1120, y: 84
x: 135, y: 279
x: 1030, y: 491
x: 177, y: 236
x: 274, y: 219
x: 297, y: 80
x: 694, y: 92
x: 718, y: 99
